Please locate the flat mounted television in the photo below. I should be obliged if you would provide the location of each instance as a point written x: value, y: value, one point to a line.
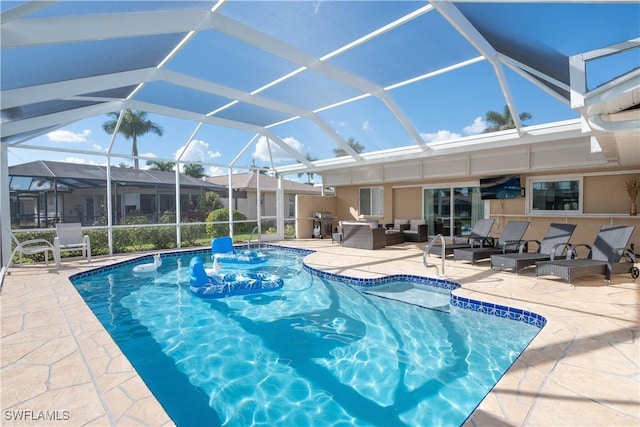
x: 500, y: 187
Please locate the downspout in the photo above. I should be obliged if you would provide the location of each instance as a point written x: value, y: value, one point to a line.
x: 604, y: 123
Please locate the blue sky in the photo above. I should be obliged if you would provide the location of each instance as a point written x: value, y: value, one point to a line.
x: 457, y: 112
x: 448, y: 105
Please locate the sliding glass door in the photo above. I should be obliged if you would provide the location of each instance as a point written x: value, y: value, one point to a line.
x: 452, y: 211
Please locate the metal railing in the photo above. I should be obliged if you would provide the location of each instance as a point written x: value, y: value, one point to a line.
x: 427, y: 249
x: 251, y: 236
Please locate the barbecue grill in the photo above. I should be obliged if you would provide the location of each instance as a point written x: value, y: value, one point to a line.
x: 322, y: 224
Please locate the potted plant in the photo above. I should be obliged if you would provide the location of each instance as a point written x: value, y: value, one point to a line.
x: 633, y: 186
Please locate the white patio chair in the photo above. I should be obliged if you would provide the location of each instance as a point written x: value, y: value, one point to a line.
x: 70, y: 238
x: 32, y: 247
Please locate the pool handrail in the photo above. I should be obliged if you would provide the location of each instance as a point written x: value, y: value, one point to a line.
x: 442, y: 255
x: 251, y: 236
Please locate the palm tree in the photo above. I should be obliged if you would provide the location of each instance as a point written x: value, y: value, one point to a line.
x: 195, y: 170
x: 160, y: 166
x: 357, y: 147
x: 503, y: 121
x: 134, y: 124
x: 309, y: 174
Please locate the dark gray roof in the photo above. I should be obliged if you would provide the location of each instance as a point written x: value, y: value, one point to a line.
x: 75, y: 175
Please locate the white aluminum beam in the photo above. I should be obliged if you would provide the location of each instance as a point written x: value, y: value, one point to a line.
x: 469, y: 32
x: 66, y: 89
x: 23, y: 10
x: 73, y: 29
x: 55, y: 119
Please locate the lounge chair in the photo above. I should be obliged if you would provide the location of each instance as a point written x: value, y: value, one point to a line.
x: 417, y: 231
x: 479, y: 236
x: 69, y: 238
x: 607, y: 256
x: 508, y: 242
x: 554, y: 244
x: 32, y: 247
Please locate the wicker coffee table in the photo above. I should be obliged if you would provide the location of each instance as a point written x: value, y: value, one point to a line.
x: 393, y: 237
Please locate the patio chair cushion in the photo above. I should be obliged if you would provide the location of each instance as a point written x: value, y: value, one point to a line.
x: 413, y: 225
x: 400, y: 224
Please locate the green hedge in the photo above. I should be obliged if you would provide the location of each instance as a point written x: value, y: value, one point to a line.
x: 137, y: 239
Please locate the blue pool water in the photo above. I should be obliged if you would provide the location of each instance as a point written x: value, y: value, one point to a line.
x: 317, y: 352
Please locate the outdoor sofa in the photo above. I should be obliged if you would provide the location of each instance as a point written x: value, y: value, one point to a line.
x: 362, y: 235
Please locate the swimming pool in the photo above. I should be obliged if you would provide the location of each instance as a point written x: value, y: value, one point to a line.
x: 316, y: 352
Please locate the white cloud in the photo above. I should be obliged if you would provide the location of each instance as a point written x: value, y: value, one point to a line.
x: 478, y: 126
x: 278, y: 154
x: 441, y: 135
x: 197, y: 151
x: 97, y: 147
x: 366, y: 125
x: 217, y: 171
x: 68, y: 136
x: 143, y: 163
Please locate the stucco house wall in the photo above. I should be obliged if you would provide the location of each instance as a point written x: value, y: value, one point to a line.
x: 604, y: 198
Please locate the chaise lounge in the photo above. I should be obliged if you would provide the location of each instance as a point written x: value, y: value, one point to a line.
x: 479, y: 236
x: 607, y: 256
x: 554, y: 244
x: 508, y: 242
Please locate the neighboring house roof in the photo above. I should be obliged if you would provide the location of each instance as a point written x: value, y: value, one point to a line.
x: 248, y: 181
x: 77, y: 175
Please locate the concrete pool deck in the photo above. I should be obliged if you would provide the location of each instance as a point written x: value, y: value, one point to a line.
x: 59, y: 366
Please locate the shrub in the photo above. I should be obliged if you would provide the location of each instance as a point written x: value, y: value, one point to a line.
x: 219, y: 230
x: 289, y: 230
x: 161, y: 237
x: 99, y: 242
x: 190, y: 233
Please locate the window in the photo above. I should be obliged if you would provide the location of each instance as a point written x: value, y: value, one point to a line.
x: 555, y: 195
x: 372, y: 201
x: 291, y: 206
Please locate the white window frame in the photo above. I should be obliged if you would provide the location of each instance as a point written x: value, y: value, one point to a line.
x: 291, y: 206
x: 371, y: 200
x: 554, y: 178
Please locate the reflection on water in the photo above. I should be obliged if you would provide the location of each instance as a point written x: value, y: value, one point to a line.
x: 315, y: 352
